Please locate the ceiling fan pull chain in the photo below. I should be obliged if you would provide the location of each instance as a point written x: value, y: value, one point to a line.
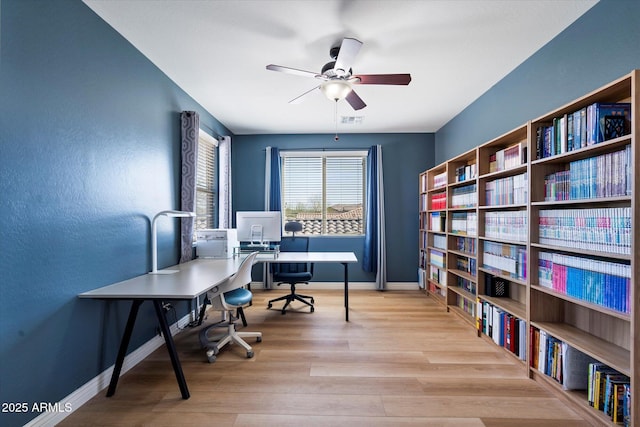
x: 336, y: 138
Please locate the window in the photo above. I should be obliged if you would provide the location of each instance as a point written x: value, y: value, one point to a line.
x: 206, y: 183
x: 324, y: 191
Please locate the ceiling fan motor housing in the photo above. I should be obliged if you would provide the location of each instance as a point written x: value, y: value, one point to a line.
x: 330, y: 71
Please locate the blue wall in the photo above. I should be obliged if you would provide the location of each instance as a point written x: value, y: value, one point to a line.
x: 89, y: 151
x: 404, y: 156
x: 599, y: 47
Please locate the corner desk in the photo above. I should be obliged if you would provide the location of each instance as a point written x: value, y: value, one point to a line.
x: 193, y: 278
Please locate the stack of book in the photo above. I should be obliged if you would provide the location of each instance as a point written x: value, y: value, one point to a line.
x: 606, y: 284
x: 437, y: 221
x: 506, y: 225
x: 608, y: 391
x: 465, y: 244
x: 437, y: 258
x: 606, y: 175
x: 438, y: 275
x: 511, y: 190
x: 467, y: 265
x: 464, y: 197
x: 438, y: 201
x: 464, y: 223
x: 506, y: 260
x: 559, y: 360
x: 507, y: 158
x: 505, y: 329
x: 591, y: 125
x: 594, y: 229
x: 465, y: 173
x: 440, y: 180
x: 466, y: 285
x: 440, y: 241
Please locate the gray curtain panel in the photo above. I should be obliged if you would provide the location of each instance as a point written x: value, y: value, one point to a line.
x: 190, y: 129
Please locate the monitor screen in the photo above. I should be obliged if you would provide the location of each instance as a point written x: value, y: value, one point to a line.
x: 259, y: 227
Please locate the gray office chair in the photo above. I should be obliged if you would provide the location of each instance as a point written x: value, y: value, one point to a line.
x: 227, y: 297
x: 293, y: 273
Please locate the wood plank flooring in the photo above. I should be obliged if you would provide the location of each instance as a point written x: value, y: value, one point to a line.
x: 402, y: 360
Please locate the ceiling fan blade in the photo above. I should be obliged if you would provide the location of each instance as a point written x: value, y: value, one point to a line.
x: 293, y: 71
x: 348, y: 51
x: 355, y: 101
x: 300, y: 98
x: 382, y: 79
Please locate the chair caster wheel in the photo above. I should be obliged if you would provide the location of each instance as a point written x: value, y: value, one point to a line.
x: 211, y: 356
x: 269, y: 305
x: 312, y: 301
x: 249, y: 354
x: 312, y: 309
x: 258, y: 339
x: 283, y: 312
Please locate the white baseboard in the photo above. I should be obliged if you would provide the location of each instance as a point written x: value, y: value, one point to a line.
x: 353, y: 286
x: 80, y: 396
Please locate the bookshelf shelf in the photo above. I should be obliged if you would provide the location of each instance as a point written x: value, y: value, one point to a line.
x: 462, y: 209
x: 578, y: 251
x: 437, y: 284
x: 600, y: 200
x: 505, y: 172
x: 586, y: 152
x: 595, y: 307
x: 502, y: 276
x: 509, y: 305
x: 517, y: 206
x: 464, y: 275
x: 505, y: 241
x: 554, y: 203
x: 462, y: 253
x: 465, y: 294
x: 615, y: 356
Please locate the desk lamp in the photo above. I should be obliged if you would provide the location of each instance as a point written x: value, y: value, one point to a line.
x: 154, y: 237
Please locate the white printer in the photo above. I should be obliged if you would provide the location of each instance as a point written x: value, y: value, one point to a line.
x: 216, y: 243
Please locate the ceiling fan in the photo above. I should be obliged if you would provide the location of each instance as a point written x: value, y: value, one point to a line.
x: 337, y: 75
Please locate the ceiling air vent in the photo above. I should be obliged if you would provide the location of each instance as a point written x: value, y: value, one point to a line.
x: 351, y: 120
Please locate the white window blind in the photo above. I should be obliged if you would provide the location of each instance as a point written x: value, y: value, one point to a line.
x: 324, y: 191
x: 206, y: 183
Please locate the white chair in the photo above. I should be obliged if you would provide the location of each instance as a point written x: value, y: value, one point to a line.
x: 228, y: 297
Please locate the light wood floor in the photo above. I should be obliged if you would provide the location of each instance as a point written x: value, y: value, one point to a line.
x: 402, y: 360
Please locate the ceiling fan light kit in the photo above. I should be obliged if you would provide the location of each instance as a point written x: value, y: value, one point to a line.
x: 335, y: 90
x: 338, y: 76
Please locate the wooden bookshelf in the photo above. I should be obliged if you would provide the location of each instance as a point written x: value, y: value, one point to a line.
x: 462, y: 212
x: 605, y: 329
x: 433, y: 196
x: 502, y: 208
x: 570, y: 207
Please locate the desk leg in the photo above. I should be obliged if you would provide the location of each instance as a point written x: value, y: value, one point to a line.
x: 171, y: 348
x: 346, y: 291
x: 124, y: 344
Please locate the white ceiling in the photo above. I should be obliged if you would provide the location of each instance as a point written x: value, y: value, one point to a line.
x: 217, y: 50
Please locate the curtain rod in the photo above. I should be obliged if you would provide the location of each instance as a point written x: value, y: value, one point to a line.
x: 215, y: 134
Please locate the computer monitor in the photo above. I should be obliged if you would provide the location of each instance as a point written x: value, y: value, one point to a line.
x: 259, y: 228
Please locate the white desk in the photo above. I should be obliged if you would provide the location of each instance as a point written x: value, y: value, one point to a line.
x: 193, y: 279
x: 344, y: 258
